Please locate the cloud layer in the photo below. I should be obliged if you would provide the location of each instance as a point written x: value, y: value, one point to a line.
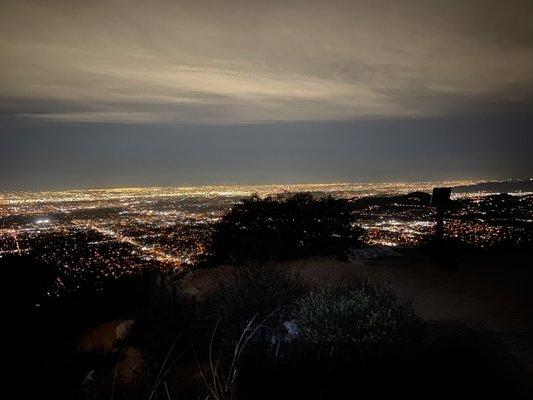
x: 262, y: 61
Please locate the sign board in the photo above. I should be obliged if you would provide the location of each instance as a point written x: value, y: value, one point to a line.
x: 441, y: 197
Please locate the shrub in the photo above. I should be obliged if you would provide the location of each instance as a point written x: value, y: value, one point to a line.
x: 283, y: 227
x: 356, y: 314
x: 259, y: 292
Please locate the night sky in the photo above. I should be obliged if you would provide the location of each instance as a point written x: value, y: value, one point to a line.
x: 129, y: 93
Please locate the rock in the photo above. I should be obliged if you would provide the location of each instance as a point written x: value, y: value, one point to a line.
x: 105, y: 337
x: 292, y: 329
x: 279, y: 341
x: 123, y: 329
x: 131, y: 367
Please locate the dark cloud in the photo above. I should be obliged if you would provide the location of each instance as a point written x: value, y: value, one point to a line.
x: 167, y: 91
x: 234, y: 61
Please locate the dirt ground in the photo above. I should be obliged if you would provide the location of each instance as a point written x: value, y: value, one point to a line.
x: 490, y: 292
x: 492, y: 289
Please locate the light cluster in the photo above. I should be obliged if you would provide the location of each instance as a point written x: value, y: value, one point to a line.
x: 94, y: 235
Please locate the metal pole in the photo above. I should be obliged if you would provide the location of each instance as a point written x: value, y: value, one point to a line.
x: 439, y: 232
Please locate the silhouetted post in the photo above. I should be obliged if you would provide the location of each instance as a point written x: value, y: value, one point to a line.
x: 439, y: 231
x: 441, y: 201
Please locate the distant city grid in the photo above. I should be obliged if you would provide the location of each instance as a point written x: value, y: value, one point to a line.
x: 97, y: 235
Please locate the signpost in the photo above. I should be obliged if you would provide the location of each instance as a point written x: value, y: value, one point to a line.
x: 441, y: 201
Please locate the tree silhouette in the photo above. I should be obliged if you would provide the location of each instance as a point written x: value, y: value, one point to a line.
x: 283, y: 227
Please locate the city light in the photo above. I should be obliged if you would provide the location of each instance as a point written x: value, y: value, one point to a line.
x: 102, y: 234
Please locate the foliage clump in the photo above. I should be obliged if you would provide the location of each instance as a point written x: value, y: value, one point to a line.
x: 283, y: 227
x: 356, y: 314
x: 262, y: 292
